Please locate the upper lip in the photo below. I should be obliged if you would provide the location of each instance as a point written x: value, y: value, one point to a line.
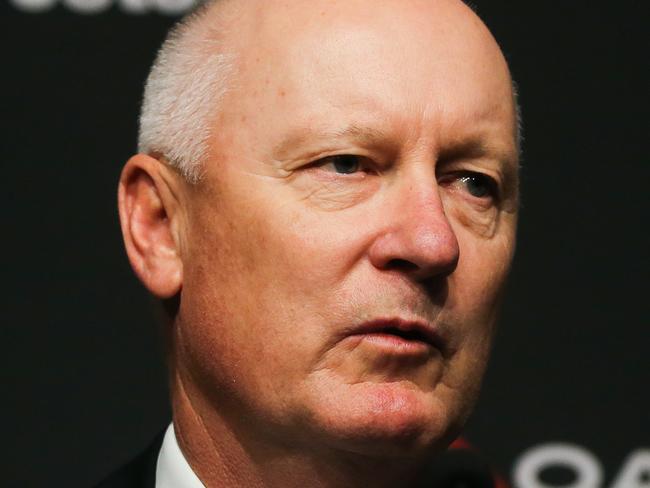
x: 413, y: 329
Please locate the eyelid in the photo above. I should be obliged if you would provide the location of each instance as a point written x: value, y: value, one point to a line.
x: 489, y: 167
x: 310, y: 159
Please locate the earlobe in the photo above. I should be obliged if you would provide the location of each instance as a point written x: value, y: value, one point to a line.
x: 147, y: 209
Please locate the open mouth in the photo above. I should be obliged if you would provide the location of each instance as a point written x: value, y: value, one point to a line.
x: 401, y: 334
x: 407, y: 335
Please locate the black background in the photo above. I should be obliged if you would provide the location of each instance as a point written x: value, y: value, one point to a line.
x: 82, y: 374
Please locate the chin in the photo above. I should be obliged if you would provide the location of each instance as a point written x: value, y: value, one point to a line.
x: 386, y: 419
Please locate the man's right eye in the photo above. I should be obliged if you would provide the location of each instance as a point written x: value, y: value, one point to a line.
x: 344, y: 164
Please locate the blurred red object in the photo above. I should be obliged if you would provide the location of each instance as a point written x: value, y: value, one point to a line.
x: 461, y: 443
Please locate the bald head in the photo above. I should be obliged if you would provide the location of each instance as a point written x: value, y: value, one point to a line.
x: 208, y: 49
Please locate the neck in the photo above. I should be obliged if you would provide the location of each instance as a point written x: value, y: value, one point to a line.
x: 225, y: 453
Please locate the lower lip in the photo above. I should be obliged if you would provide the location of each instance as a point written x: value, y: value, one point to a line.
x: 394, y: 344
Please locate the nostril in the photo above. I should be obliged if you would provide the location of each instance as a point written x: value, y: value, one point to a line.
x: 401, y: 265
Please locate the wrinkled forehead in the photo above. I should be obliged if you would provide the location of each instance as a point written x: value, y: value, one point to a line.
x: 317, y: 59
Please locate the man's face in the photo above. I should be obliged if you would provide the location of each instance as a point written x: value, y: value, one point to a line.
x: 344, y: 254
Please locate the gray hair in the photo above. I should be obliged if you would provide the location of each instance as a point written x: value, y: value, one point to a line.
x: 188, y: 79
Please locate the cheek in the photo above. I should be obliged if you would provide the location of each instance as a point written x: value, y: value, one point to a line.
x: 476, y: 289
x: 481, y: 221
x: 484, y: 263
x: 311, y: 252
x: 259, y: 291
x: 475, y: 294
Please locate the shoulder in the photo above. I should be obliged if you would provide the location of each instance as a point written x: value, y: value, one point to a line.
x: 139, y: 472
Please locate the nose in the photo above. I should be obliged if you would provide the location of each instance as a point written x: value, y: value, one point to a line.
x: 417, y: 238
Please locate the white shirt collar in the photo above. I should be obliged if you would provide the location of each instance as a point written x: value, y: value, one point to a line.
x: 172, y: 469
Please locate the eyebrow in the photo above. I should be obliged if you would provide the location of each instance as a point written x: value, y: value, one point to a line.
x: 476, y: 147
x: 468, y: 148
x: 300, y: 137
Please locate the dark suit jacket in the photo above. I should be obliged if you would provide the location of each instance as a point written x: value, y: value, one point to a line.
x: 456, y: 468
x: 140, y: 472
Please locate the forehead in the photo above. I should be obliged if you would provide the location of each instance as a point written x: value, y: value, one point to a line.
x: 398, y: 65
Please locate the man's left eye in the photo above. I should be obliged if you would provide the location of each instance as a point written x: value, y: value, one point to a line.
x: 479, y: 185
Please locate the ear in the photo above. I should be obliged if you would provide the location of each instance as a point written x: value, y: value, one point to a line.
x: 148, y: 208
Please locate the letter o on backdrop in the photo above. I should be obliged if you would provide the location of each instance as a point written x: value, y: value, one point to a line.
x: 33, y: 6
x: 134, y: 6
x: 87, y: 6
x: 635, y: 472
x: 529, y: 466
x: 174, y: 7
